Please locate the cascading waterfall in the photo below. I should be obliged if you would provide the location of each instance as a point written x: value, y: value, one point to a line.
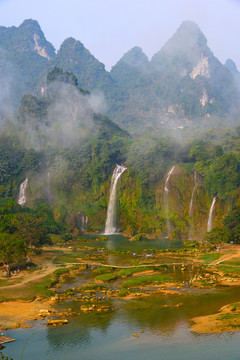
x: 193, y: 193
x: 210, y: 217
x: 84, y: 222
x: 191, y: 204
x: 110, y: 227
x: 166, y: 198
x: 22, y: 197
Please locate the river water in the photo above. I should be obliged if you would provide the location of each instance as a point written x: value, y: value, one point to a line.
x: 163, y: 330
x: 110, y: 336
x: 122, y: 243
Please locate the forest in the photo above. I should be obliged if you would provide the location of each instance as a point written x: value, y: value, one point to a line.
x: 68, y: 152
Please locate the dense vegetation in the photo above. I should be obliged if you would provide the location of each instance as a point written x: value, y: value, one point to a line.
x: 68, y: 153
x: 21, y: 230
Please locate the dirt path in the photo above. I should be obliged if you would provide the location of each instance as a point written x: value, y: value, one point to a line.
x: 235, y: 253
x: 46, y: 267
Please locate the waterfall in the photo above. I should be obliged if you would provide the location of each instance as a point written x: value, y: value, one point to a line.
x: 110, y: 227
x: 210, y: 216
x: 84, y: 222
x: 22, y: 197
x: 193, y: 193
x: 191, y: 205
x: 166, y: 198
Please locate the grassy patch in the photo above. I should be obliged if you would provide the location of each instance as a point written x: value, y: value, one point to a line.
x: 130, y: 271
x: 231, y: 263
x: 57, y: 239
x: 229, y: 269
x: 42, y: 287
x: 208, y: 258
x: 4, y: 282
x: 148, y: 279
x: 32, y: 289
x: 102, y: 269
x: 10, y: 281
x: 53, y: 251
x: 236, y: 305
x: 229, y: 316
x: 92, y: 287
x: 123, y: 293
x: 67, y: 258
x: 106, y: 277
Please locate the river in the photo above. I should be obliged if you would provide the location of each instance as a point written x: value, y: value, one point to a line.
x: 162, y: 328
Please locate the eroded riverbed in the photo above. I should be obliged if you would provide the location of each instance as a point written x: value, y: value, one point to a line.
x: 145, y: 319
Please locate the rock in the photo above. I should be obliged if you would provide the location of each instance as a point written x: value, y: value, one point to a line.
x: 57, y: 322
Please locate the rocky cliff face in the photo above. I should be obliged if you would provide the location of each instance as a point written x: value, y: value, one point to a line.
x: 185, y: 224
x: 183, y: 81
x: 182, y: 84
x: 24, y: 56
x: 135, y: 218
x: 28, y: 37
x: 231, y: 66
x: 73, y: 56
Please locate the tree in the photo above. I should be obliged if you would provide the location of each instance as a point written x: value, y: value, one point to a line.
x: 10, y: 158
x: 33, y: 110
x: 12, y: 248
x: 216, y: 236
x: 232, y: 223
x: 30, y: 230
x: 224, y: 176
x: 58, y: 74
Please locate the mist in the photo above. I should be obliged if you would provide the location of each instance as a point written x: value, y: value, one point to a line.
x: 11, y: 87
x: 68, y: 119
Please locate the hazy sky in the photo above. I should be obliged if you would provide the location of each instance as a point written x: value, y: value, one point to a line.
x: 109, y: 28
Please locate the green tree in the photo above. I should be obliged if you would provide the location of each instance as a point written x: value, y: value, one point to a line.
x: 30, y: 230
x: 216, y: 236
x: 59, y: 75
x: 232, y: 223
x: 12, y: 248
x: 224, y: 176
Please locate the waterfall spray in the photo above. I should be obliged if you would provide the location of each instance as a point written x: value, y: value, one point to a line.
x: 22, y: 197
x: 210, y: 217
x: 110, y: 227
x: 166, y: 198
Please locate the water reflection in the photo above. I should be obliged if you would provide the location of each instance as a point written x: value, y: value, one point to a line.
x: 165, y: 332
x: 162, y: 313
x: 79, y: 332
x: 160, y: 320
x: 121, y: 243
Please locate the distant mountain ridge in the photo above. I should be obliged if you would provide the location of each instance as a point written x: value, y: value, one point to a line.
x: 28, y: 37
x: 182, y: 83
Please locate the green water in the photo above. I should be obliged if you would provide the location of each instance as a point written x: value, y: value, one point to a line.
x: 122, y: 243
x: 164, y: 332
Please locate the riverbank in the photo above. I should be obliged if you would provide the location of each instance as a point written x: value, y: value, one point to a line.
x: 227, y: 319
x: 34, y: 293
x: 15, y: 314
